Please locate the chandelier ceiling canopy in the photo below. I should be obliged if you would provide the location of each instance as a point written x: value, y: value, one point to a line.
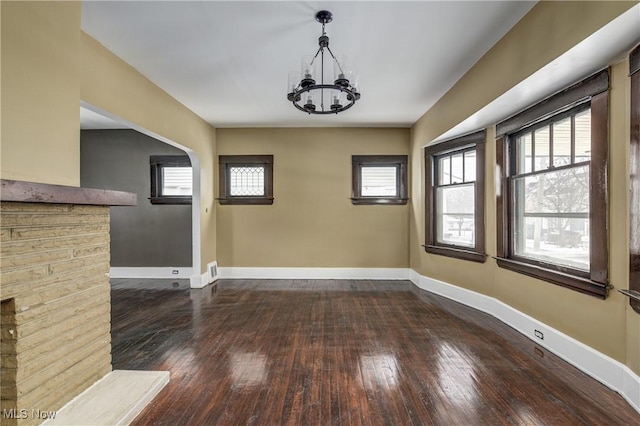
x: 314, y: 96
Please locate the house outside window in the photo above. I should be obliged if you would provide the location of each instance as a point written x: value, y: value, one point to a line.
x: 454, y: 182
x: 552, y: 205
x: 379, y: 179
x: 246, y: 179
x: 171, y: 179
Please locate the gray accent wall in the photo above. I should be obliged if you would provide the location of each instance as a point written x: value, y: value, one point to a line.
x: 146, y: 235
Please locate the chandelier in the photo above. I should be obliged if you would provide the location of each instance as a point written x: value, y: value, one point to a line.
x: 306, y: 93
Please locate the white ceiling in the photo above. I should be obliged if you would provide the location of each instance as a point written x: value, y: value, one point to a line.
x: 605, y: 47
x: 229, y: 61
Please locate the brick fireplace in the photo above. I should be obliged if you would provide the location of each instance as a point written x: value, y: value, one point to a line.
x: 54, y: 288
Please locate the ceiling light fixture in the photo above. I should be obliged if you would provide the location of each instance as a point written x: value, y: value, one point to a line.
x: 305, y: 93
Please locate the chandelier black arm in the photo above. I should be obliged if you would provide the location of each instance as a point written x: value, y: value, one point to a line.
x: 316, y: 55
x: 335, y: 59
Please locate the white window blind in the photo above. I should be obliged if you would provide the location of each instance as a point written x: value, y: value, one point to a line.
x: 177, y: 181
x: 379, y: 181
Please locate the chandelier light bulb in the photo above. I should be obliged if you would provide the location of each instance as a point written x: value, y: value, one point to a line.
x: 309, y: 105
x: 307, y: 71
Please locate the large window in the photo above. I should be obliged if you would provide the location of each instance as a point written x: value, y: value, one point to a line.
x: 246, y: 179
x: 551, y: 190
x: 552, y: 207
x: 379, y: 179
x: 171, y: 179
x: 454, y: 172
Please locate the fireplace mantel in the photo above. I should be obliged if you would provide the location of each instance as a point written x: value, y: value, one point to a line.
x: 55, y: 294
x: 33, y: 192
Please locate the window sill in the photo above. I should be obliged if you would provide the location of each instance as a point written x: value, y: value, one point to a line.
x: 632, y: 294
x: 245, y: 200
x: 170, y: 200
x: 583, y: 285
x: 374, y: 200
x: 456, y: 253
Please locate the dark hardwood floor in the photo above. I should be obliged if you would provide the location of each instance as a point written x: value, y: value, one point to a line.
x: 342, y: 352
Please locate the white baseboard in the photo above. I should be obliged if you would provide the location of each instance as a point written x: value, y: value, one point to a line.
x: 315, y: 273
x: 151, y: 272
x: 208, y: 277
x: 606, y: 370
x: 199, y: 281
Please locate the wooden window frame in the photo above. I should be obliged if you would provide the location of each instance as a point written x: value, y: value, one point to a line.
x: 226, y: 161
x: 477, y: 253
x: 634, y: 181
x: 157, y: 163
x: 397, y: 161
x: 594, y: 90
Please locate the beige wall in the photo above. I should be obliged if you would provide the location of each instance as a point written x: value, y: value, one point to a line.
x: 549, y: 30
x: 112, y: 85
x: 312, y: 222
x: 48, y: 66
x: 40, y: 85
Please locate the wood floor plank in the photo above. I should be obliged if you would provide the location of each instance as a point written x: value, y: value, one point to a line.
x: 341, y: 352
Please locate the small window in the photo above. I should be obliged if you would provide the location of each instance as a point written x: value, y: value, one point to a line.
x: 454, y: 172
x: 246, y: 179
x: 379, y: 179
x: 171, y: 179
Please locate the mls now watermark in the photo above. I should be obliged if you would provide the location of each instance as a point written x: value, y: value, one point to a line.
x: 34, y: 413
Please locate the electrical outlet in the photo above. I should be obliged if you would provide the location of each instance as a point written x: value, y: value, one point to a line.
x: 538, y: 334
x: 175, y: 272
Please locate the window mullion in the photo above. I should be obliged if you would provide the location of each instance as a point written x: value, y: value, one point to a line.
x: 573, y: 139
x: 551, y: 145
x: 533, y: 151
x: 464, y: 154
x: 544, y: 171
